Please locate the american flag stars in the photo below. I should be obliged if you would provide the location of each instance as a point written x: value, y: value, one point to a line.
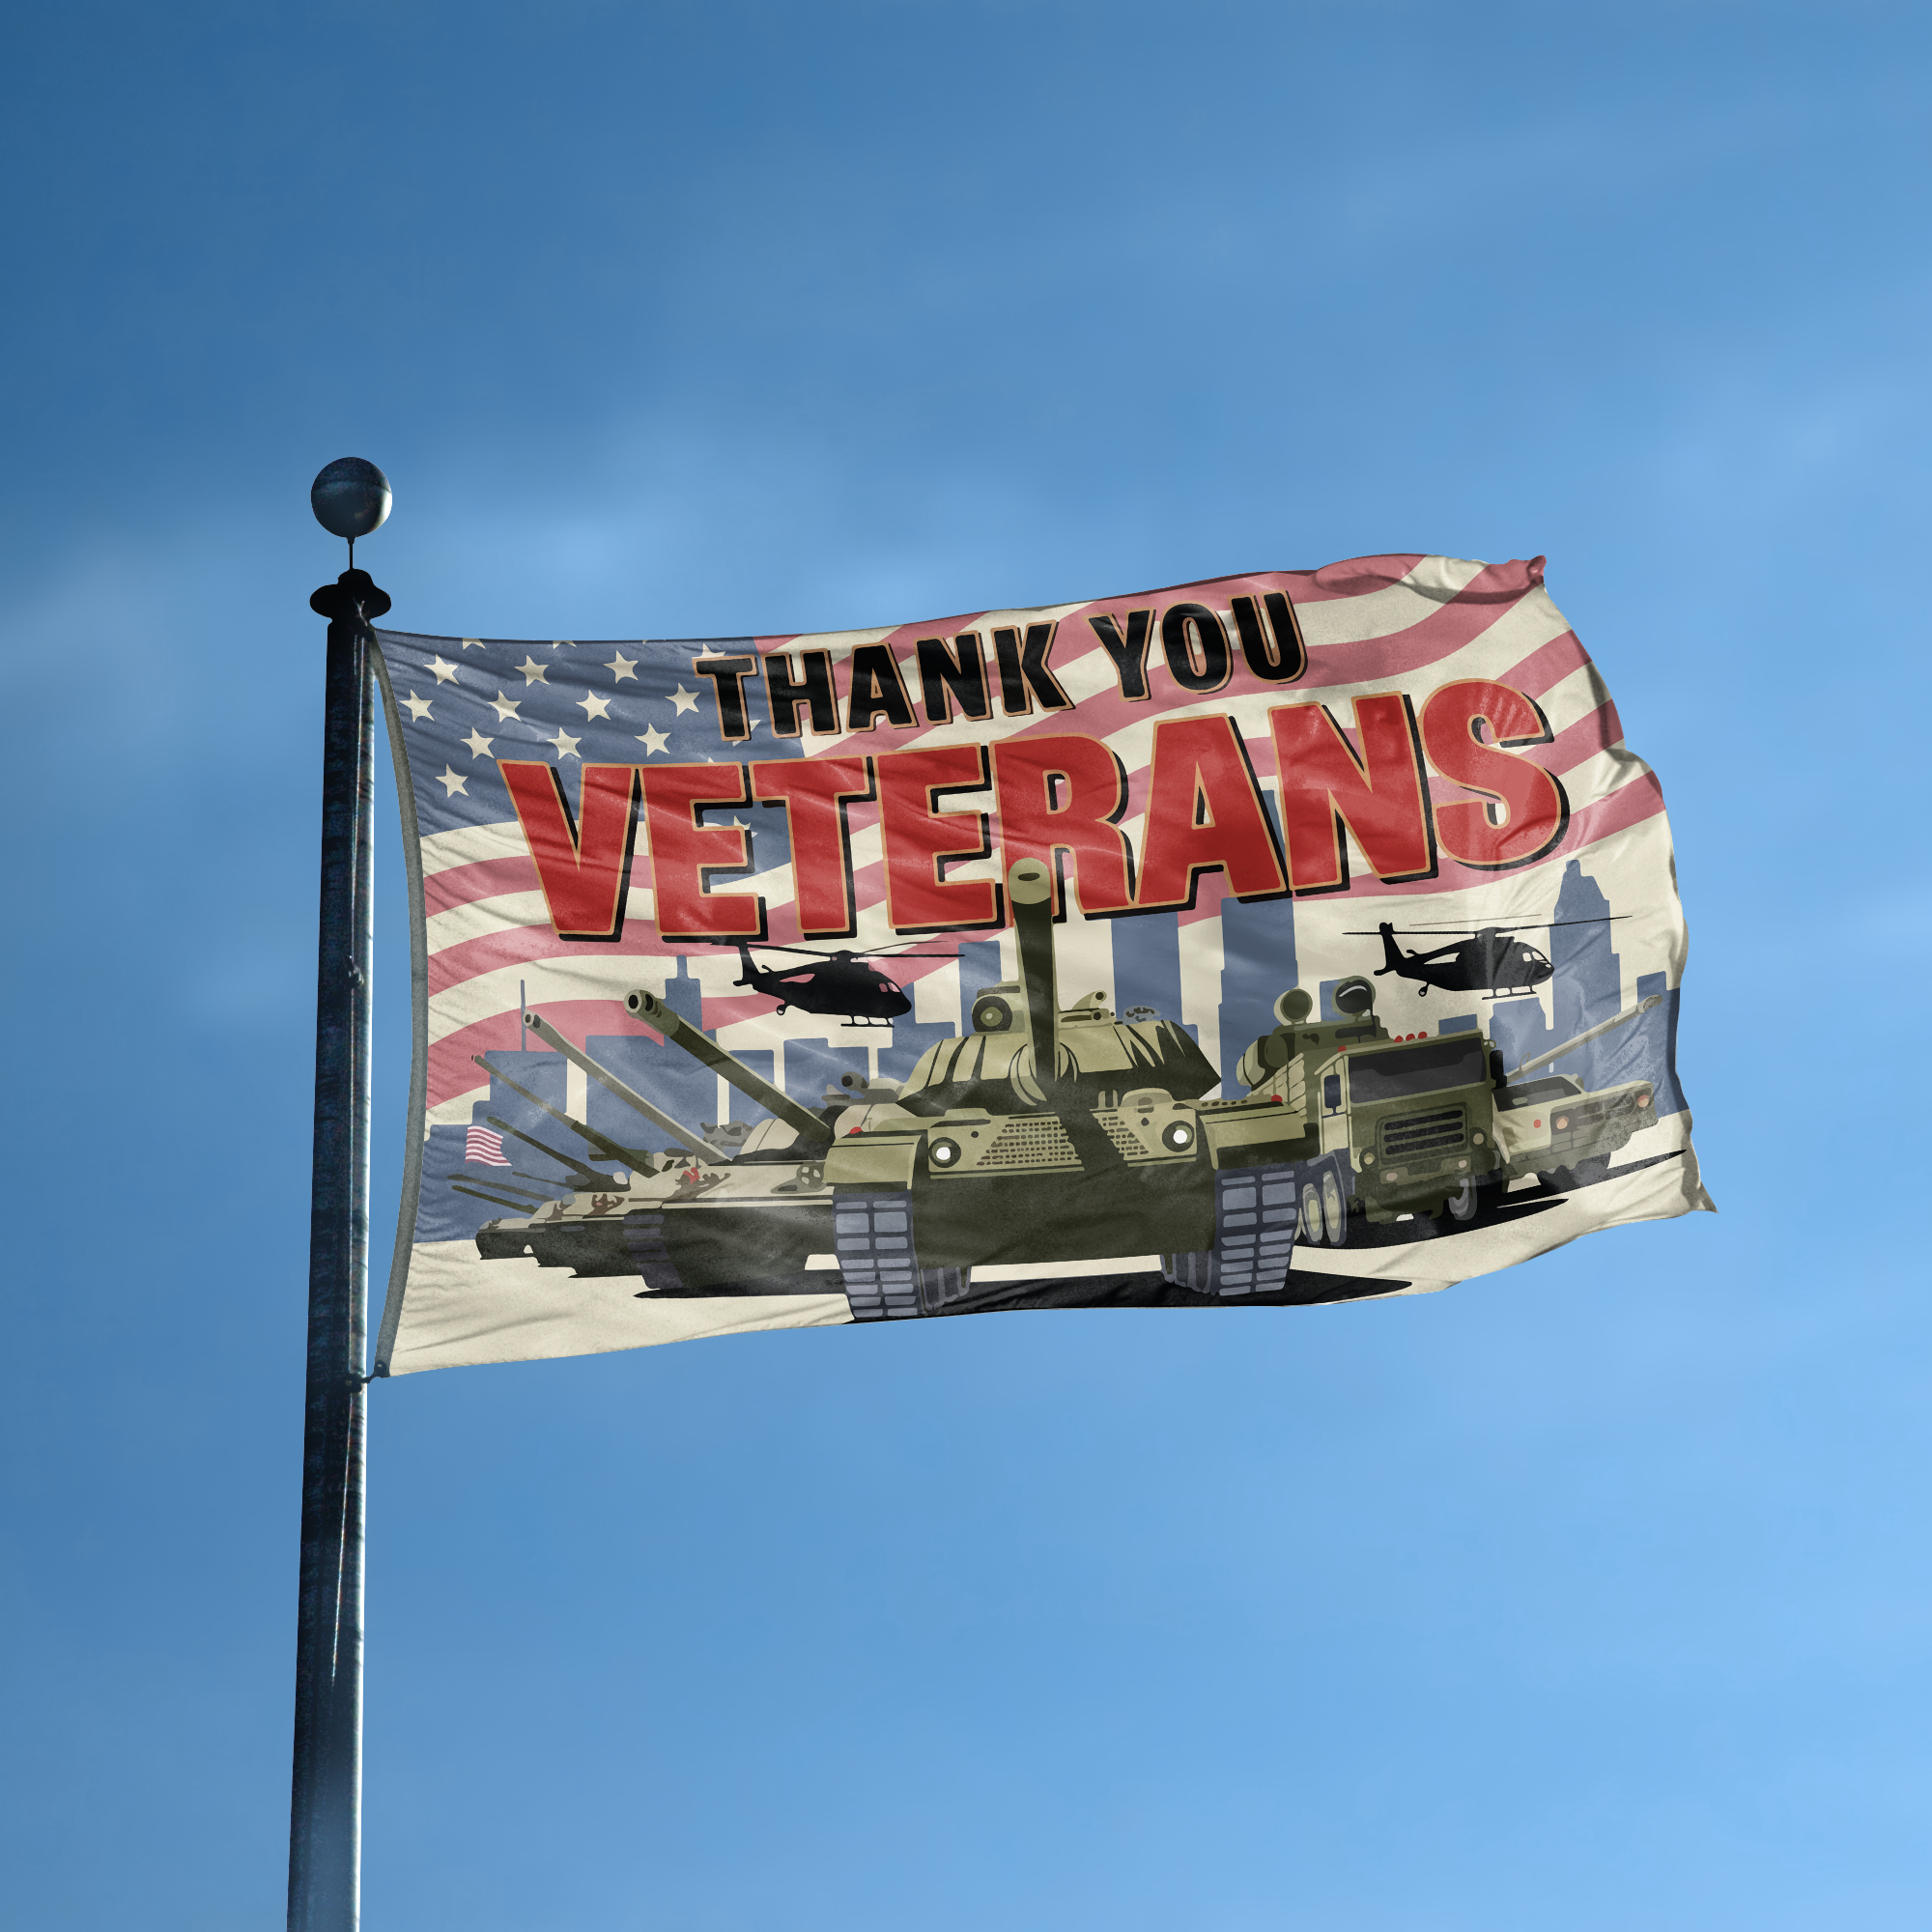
x: 625, y: 701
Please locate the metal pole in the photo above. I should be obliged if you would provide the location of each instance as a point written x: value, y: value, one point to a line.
x: 325, y: 1822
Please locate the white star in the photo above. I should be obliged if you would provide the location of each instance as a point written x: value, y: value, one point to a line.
x: 505, y: 708
x: 479, y: 745
x: 593, y: 706
x: 566, y: 744
x: 652, y: 740
x: 685, y: 700
x: 453, y: 782
x: 620, y: 668
x: 445, y: 673
x: 468, y: 641
x: 557, y: 643
x: 533, y: 673
x: 417, y: 708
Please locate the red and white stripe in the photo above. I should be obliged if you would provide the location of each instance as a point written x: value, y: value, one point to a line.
x: 1372, y: 624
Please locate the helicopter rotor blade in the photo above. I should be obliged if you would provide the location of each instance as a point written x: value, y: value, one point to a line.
x: 820, y: 953
x: 1473, y: 932
x: 764, y: 946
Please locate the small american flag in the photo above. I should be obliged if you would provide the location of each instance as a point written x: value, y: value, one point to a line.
x: 485, y: 1148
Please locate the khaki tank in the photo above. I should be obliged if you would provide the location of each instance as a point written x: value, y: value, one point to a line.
x: 1047, y: 1135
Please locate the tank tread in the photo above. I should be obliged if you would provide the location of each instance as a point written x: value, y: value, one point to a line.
x: 1255, y: 1219
x: 878, y: 1260
x: 644, y: 1236
x: 872, y: 1236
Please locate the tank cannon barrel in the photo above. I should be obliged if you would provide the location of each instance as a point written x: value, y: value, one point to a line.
x: 1030, y: 893
x: 581, y: 1177
x: 1557, y: 1053
x: 653, y: 1011
x: 601, y: 1144
x: 658, y: 1118
x: 526, y: 1206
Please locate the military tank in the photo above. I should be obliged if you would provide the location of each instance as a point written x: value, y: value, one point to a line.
x: 759, y: 1224
x: 1046, y: 1134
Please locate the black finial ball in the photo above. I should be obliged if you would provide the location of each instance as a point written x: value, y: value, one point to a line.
x: 351, y: 497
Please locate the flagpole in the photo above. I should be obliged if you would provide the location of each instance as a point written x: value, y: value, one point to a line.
x: 326, y: 1806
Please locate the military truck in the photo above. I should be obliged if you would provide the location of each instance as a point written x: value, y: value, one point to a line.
x: 1406, y: 1126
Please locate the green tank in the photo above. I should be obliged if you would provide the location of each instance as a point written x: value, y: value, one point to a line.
x: 1049, y: 1134
x: 978, y: 1159
x: 1054, y: 1134
x: 761, y: 1209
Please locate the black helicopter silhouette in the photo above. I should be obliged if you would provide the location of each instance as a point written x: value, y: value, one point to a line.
x: 1484, y: 959
x: 844, y: 984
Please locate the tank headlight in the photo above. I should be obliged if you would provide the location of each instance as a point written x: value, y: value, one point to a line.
x: 1561, y: 1121
x: 992, y: 1015
x: 1368, y: 1156
x: 1176, y: 1136
x: 1477, y: 1137
x: 943, y: 1153
x: 1643, y: 1099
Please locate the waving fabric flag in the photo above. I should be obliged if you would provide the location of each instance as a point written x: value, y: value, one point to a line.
x: 1281, y: 939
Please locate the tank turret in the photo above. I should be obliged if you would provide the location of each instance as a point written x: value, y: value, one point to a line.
x: 1020, y: 1028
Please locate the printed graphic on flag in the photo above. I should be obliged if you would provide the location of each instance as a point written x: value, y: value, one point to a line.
x: 1278, y: 939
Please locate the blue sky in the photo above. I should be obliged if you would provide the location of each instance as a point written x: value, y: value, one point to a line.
x: 1591, y: 1595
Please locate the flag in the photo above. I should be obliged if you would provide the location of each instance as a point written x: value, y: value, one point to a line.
x: 1274, y: 939
x: 482, y: 1145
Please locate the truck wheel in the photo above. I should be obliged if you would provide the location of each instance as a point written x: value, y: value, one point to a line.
x: 1334, y: 1209
x: 1310, y: 1229
x: 1461, y: 1205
